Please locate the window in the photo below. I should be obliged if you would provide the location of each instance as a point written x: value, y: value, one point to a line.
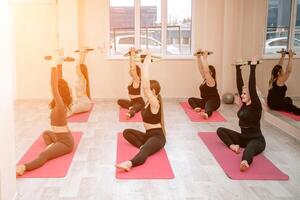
x: 297, y: 29
x: 162, y: 26
x: 151, y: 25
x: 283, y: 26
x: 121, y: 25
x: 179, y: 27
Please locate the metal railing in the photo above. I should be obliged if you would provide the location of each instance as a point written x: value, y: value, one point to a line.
x: 150, y: 31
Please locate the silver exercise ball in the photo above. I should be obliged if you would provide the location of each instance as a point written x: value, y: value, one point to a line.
x: 228, y: 98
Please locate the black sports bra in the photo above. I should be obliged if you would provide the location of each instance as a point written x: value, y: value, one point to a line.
x: 208, y: 92
x: 134, y: 91
x: 149, y: 117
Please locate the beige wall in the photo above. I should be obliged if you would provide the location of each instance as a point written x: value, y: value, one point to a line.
x: 36, y: 29
x: 230, y: 28
x: 7, y: 143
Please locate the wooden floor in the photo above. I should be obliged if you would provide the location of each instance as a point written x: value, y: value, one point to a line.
x: 197, y: 174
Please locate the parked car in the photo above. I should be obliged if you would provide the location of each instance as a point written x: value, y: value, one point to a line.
x: 123, y: 43
x: 276, y: 44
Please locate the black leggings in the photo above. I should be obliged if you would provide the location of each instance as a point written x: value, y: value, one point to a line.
x: 253, y: 146
x: 148, y: 143
x: 209, y: 105
x: 135, y: 105
x: 286, y: 104
x: 62, y: 143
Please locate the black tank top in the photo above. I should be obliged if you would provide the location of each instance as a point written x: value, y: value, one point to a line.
x: 149, y: 117
x: 249, y: 116
x: 276, y: 93
x: 134, y: 91
x: 208, y: 92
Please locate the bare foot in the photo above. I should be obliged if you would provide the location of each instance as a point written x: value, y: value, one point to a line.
x: 244, y: 166
x: 49, y: 145
x: 204, y: 115
x: 127, y: 115
x: 126, y: 165
x: 197, y: 109
x: 20, y: 169
x: 235, y: 148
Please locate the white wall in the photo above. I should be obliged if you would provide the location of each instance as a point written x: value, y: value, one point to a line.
x: 230, y: 28
x: 7, y: 144
x: 36, y: 29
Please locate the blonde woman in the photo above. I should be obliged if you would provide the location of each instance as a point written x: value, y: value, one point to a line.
x: 249, y: 114
x: 82, y: 102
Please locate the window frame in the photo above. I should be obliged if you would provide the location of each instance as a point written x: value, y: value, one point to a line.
x: 164, y: 22
x: 291, y: 36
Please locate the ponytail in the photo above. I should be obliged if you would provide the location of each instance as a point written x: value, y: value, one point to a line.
x: 212, y: 69
x: 274, y: 74
x: 84, y: 71
x: 162, y: 118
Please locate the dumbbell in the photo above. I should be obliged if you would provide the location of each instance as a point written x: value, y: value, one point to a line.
x: 201, y: 53
x: 284, y: 51
x: 129, y: 52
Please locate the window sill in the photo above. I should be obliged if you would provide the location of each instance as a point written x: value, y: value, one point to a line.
x: 277, y: 57
x: 166, y: 57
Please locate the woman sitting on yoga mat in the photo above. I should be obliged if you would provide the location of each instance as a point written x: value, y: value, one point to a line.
x: 136, y: 102
x: 154, y: 139
x: 59, y: 140
x: 249, y: 116
x: 83, y: 101
x: 276, y: 95
x: 210, y: 97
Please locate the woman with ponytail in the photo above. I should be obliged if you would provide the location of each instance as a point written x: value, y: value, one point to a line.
x: 154, y: 139
x: 59, y: 140
x: 136, y: 102
x: 276, y: 95
x: 210, y: 99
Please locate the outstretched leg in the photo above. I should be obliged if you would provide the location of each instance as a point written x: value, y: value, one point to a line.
x: 151, y: 146
x: 290, y: 107
x: 57, y: 149
x: 253, y: 148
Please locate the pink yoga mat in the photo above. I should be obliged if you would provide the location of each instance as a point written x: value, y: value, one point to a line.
x: 290, y: 115
x: 156, y: 166
x: 55, y: 168
x: 261, y: 168
x: 195, y: 117
x: 81, y: 117
x: 122, y: 117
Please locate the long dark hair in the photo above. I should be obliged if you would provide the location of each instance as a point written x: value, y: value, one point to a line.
x: 84, y: 71
x: 274, y: 74
x: 154, y: 84
x: 64, y: 92
x: 138, y: 71
x: 212, y: 69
